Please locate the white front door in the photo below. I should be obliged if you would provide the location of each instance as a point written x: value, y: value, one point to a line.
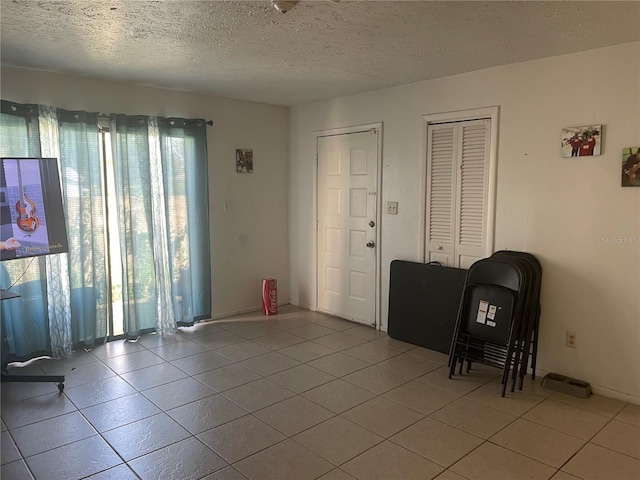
x: 347, y: 225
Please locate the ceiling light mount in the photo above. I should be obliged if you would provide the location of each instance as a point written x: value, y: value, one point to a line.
x: 283, y: 6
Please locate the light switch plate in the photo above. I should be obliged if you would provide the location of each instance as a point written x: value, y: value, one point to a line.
x: 392, y: 208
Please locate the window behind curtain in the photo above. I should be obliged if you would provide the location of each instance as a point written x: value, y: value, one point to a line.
x: 159, y: 167
x: 130, y: 149
x: 84, y: 198
x: 161, y: 186
x: 148, y: 174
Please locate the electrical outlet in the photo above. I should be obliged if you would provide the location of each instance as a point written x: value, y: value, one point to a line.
x: 392, y: 208
x: 571, y: 339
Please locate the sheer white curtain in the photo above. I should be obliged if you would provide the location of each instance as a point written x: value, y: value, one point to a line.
x: 58, y: 289
x: 168, y: 309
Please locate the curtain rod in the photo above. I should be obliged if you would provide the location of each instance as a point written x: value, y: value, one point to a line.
x: 104, y: 115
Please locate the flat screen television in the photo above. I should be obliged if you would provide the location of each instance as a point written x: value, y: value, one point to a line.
x: 32, y: 221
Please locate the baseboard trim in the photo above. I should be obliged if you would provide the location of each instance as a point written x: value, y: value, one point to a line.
x: 242, y: 311
x: 303, y: 305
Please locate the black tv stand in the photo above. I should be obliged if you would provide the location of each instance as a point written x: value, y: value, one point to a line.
x: 59, y: 379
x: 9, y: 378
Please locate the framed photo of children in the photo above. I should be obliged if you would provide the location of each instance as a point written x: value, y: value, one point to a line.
x: 631, y: 167
x: 244, y: 160
x: 581, y: 141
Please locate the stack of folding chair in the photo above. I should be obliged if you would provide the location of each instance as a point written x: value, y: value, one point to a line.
x: 499, y: 315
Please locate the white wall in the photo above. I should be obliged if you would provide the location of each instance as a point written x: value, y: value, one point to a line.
x: 249, y: 240
x: 559, y: 209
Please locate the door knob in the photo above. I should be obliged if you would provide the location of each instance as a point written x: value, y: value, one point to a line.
x: 371, y: 244
x: 372, y: 223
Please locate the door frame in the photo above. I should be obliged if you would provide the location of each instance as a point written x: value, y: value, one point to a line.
x: 490, y: 113
x: 377, y: 276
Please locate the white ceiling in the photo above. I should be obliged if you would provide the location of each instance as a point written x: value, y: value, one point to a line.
x: 318, y: 50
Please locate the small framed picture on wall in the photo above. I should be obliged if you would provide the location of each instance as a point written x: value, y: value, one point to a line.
x: 631, y: 167
x: 581, y: 141
x: 244, y: 160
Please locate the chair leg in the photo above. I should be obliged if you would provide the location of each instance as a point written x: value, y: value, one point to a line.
x: 452, y: 360
x: 534, y: 356
x: 507, y: 367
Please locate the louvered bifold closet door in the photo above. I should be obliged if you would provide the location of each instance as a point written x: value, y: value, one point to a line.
x: 442, y: 149
x: 471, y: 221
x: 457, y: 185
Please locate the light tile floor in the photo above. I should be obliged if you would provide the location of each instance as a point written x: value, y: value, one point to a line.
x: 300, y: 395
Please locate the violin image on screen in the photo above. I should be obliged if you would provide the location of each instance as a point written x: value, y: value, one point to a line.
x: 26, y: 208
x: 32, y: 216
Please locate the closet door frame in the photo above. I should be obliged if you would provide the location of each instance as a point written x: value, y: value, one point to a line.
x: 490, y: 113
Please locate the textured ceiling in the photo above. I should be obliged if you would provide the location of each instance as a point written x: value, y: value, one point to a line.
x: 318, y: 50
